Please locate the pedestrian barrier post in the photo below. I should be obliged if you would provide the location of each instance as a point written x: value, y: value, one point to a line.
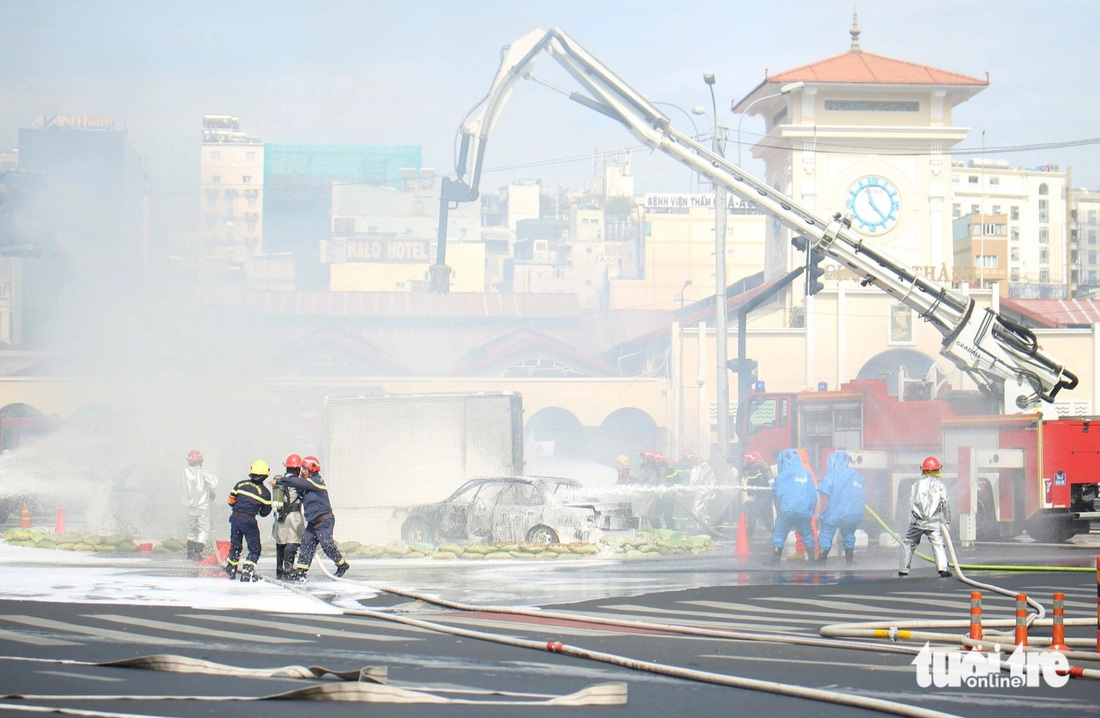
x: 1021, y: 619
x: 25, y: 521
x: 59, y: 524
x: 975, y: 620
x: 1058, y: 628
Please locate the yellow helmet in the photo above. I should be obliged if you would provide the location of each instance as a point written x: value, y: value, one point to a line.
x: 624, y: 460
x: 259, y: 468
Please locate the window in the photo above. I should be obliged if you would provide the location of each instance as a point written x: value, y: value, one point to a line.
x: 1043, y: 190
x: 988, y: 261
x: 956, y: 210
x: 1044, y: 256
x: 972, y: 179
x: 1014, y: 254
x: 1014, y: 212
x: 247, y: 179
x: 1044, y: 276
x: 994, y: 180
x: 1015, y: 237
x: 974, y: 209
x: 250, y: 155
x: 215, y: 154
x: 996, y: 209
x: 216, y: 179
x: 1044, y: 235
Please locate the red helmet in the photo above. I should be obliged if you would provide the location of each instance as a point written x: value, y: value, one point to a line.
x: 688, y: 455
x: 657, y: 458
x: 752, y: 457
x: 311, y: 463
x: 647, y: 455
x: 194, y: 457
x: 930, y: 464
x: 293, y: 461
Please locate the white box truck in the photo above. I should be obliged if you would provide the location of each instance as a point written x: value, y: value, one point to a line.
x: 390, y: 450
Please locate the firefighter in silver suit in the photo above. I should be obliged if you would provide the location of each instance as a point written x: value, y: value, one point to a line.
x: 928, y: 511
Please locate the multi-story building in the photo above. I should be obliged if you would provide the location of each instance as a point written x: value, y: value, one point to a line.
x: 231, y: 196
x: 383, y: 238
x: 1033, y: 203
x: 86, y: 192
x: 1084, y: 241
x: 96, y: 190
x: 298, y: 186
x: 981, y: 251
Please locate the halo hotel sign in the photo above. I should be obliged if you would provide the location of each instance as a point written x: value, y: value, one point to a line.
x: 388, y: 250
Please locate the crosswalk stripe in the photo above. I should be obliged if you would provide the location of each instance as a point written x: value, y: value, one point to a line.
x: 7, y: 635
x: 194, y: 630
x: 298, y: 628
x: 816, y: 663
x: 356, y: 622
x: 125, y: 636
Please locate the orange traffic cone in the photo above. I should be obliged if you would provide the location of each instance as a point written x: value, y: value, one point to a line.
x: 799, y: 548
x: 25, y: 523
x: 59, y: 525
x: 741, y: 549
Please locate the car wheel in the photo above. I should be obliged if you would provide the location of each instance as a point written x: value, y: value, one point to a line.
x: 417, y: 530
x: 542, y: 534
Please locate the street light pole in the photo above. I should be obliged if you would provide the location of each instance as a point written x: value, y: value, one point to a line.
x: 721, y: 328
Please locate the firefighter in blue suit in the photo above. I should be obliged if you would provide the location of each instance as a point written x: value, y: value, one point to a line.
x: 319, y: 519
x: 843, y: 487
x: 795, y: 500
x: 247, y: 499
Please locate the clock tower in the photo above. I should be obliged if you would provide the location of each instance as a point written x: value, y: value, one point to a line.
x: 869, y: 137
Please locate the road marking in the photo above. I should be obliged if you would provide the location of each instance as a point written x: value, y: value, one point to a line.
x: 298, y: 628
x: 81, y: 676
x: 355, y: 622
x: 122, y: 636
x: 816, y: 663
x: 7, y: 635
x: 193, y: 630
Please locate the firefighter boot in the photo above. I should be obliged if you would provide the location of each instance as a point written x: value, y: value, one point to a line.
x: 248, y: 573
x: 342, y: 568
x: 849, y: 556
x: 776, y: 556
x: 280, y: 549
x: 231, y: 570
x: 297, y: 575
x: 824, y: 554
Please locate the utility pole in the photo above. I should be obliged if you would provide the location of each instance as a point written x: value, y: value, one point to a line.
x: 721, y: 328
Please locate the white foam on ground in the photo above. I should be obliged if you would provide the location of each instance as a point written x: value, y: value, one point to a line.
x: 79, y: 577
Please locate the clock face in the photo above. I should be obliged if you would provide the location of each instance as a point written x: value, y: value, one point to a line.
x: 874, y: 203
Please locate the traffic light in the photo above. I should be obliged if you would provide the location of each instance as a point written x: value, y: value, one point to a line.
x: 814, y: 270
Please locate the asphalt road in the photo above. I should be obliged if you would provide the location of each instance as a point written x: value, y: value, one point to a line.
x: 627, y: 623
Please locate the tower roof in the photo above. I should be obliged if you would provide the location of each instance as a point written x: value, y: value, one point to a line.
x: 857, y: 66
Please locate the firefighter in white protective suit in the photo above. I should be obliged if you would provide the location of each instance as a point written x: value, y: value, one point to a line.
x: 928, y: 512
x: 199, y: 487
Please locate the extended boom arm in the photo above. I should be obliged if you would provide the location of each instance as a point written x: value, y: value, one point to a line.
x: 989, y: 347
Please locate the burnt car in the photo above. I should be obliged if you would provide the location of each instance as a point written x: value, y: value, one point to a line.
x: 535, y: 509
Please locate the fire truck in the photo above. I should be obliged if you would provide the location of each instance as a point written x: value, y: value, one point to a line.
x: 996, y: 353
x: 1007, y: 472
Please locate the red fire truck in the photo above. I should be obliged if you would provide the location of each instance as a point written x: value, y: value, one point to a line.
x: 1007, y: 473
